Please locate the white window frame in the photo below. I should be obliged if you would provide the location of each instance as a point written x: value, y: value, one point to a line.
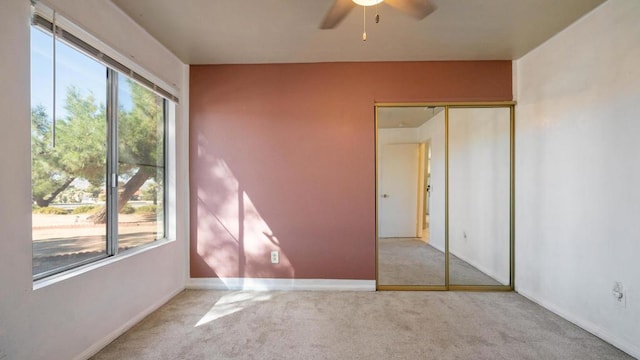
x: 116, y: 64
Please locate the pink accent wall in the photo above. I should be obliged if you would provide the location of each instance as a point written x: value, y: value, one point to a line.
x: 282, y: 157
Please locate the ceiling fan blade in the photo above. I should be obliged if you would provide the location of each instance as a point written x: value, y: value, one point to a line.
x: 338, y: 11
x: 418, y: 9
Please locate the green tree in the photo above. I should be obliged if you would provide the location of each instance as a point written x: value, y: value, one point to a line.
x: 81, y: 137
x: 150, y: 192
x: 140, y: 144
x: 80, y: 146
x: 95, y: 190
x: 48, y: 179
x: 77, y: 150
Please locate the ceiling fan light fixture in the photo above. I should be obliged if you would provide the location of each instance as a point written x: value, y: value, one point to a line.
x: 367, y: 2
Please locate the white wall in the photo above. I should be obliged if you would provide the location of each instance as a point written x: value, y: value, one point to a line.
x: 433, y: 131
x: 578, y: 173
x: 75, y: 317
x: 479, y: 189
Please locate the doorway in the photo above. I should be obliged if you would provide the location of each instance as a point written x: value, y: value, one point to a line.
x: 426, y: 188
x: 444, y: 196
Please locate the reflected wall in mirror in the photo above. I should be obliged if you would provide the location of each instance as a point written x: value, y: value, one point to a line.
x: 411, y: 208
x: 479, y: 196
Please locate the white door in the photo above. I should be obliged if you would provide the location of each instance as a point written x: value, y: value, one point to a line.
x: 398, y: 190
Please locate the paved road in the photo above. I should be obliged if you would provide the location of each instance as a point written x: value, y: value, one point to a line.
x: 60, y: 240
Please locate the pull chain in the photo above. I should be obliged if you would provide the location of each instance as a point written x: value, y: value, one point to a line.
x: 364, y: 23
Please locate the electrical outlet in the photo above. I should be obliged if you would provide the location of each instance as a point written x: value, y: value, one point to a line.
x: 275, y: 257
x: 619, y: 294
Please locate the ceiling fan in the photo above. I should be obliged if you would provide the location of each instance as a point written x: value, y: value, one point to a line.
x: 418, y: 9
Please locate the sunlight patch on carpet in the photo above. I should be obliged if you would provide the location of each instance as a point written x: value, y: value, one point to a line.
x: 232, y: 303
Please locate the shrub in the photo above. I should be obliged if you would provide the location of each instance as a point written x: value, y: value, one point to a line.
x: 49, y: 210
x: 147, y: 209
x: 127, y: 209
x: 83, y: 209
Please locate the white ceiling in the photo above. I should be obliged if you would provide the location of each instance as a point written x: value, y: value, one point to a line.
x: 405, y: 117
x: 286, y: 31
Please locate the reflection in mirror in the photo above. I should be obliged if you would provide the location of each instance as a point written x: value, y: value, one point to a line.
x: 479, y: 196
x: 411, y: 176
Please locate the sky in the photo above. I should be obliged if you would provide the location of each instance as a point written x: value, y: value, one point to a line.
x: 73, y: 68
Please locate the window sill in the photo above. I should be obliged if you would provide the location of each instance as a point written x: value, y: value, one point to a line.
x: 54, y: 279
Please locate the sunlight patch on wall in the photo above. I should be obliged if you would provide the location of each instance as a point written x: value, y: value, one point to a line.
x: 233, y: 238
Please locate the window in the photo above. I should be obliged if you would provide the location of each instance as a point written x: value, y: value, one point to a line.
x: 141, y: 158
x: 98, y: 140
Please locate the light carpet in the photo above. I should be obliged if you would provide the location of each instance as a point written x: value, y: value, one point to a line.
x: 411, y: 261
x: 355, y: 325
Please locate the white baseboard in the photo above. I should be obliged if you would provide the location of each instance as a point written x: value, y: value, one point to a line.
x: 266, y: 284
x: 96, y: 347
x: 624, y: 345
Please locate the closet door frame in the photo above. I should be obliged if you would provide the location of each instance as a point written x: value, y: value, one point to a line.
x: 447, y: 286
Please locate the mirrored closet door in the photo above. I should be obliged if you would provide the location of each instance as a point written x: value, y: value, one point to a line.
x: 444, y: 196
x: 479, y: 195
x: 410, y: 197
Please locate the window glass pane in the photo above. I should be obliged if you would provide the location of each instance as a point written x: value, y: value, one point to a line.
x: 140, y: 165
x: 68, y: 156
